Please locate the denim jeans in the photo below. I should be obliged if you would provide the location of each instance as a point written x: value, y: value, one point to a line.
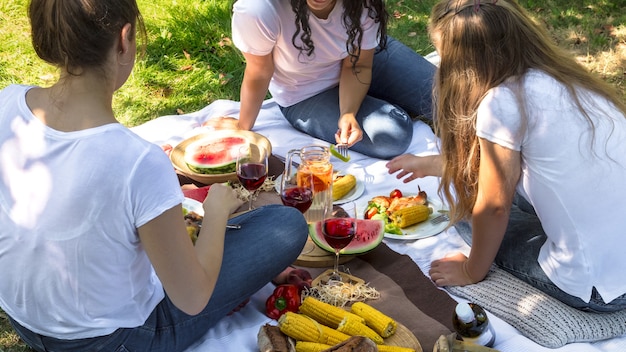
x: 253, y: 256
x: 518, y: 255
x: 401, y: 87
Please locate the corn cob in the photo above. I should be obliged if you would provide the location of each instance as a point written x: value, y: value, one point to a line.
x: 410, y: 215
x: 303, y: 328
x: 325, y: 313
x: 354, y: 327
x: 389, y: 348
x: 305, y: 346
x: 384, y: 325
x: 343, y: 184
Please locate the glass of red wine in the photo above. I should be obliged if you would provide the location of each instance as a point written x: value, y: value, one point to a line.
x: 252, y: 168
x: 339, y: 230
x: 297, y: 191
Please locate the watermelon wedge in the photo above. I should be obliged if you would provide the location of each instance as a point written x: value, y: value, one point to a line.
x: 214, y: 155
x: 369, y: 234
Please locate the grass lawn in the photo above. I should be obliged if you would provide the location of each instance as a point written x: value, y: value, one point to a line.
x: 190, y: 60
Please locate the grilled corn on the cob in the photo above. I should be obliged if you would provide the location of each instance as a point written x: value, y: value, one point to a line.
x: 384, y: 325
x: 410, y: 215
x: 354, y: 327
x: 306, y: 346
x: 325, y: 313
x: 304, y: 328
x: 342, y: 184
x: 389, y: 348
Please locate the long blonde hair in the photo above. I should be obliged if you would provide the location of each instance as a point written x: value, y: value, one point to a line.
x: 481, y: 45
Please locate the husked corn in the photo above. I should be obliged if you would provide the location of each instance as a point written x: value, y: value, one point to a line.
x: 410, y: 215
x: 303, y: 328
x: 388, y: 348
x: 325, y: 313
x: 384, y: 325
x: 354, y: 327
x: 342, y: 185
x: 305, y: 346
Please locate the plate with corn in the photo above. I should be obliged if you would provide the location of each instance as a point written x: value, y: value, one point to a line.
x: 408, y: 217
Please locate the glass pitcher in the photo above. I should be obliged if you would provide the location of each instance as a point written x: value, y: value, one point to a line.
x: 315, y: 160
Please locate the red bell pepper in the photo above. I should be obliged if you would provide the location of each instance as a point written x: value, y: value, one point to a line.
x: 285, y: 298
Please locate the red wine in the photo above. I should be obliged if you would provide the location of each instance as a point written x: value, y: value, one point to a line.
x: 338, y: 232
x: 252, y: 175
x: 298, y: 197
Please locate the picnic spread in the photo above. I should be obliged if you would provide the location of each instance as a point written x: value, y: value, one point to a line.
x: 523, y: 319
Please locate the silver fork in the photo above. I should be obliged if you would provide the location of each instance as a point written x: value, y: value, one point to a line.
x: 439, y: 219
x: 342, y: 148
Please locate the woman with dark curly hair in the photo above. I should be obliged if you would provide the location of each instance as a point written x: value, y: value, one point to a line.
x: 333, y: 70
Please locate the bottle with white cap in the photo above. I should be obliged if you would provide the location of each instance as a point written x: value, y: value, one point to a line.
x: 471, y: 323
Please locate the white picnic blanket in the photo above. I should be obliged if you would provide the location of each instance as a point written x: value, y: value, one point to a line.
x: 238, y: 332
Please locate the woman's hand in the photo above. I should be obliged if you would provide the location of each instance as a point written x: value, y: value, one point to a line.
x: 221, y: 198
x: 349, y: 130
x: 411, y: 167
x: 451, y: 271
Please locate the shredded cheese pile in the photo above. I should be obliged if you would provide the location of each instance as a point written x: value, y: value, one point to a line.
x: 245, y: 195
x: 340, y: 293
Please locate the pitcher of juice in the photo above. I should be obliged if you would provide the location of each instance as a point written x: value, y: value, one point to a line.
x: 315, y: 160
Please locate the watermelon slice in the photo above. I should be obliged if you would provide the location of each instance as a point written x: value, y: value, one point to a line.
x: 214, y: 155
x: 198, y: 194
x: 369, y: 234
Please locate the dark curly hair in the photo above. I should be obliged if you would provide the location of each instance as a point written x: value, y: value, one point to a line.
x: 352, y: 10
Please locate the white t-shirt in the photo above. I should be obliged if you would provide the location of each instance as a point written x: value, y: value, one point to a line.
x: 261, y: 27
x: 71, y: 262
x: 578, y: 192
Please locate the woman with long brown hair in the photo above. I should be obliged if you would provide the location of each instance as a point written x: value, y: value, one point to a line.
x: 94, y: 253
x: 532, y: 157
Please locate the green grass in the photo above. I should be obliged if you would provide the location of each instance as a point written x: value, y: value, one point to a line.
x: 190, y: 60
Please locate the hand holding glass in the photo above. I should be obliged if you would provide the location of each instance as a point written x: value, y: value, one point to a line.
x: 252, y: 167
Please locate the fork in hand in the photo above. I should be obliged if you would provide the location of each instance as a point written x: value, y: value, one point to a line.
x: 342, y: 149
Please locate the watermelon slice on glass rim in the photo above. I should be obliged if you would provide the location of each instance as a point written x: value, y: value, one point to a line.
x: 369, y: 234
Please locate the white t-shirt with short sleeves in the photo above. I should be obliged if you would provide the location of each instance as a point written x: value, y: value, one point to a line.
x: 573, y: 178
x: 71, y: 261
x: 262, y: 27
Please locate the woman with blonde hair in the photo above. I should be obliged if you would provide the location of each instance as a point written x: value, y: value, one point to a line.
x: 532, y: 157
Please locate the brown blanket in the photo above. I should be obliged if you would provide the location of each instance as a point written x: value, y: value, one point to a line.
x: 407, y: 295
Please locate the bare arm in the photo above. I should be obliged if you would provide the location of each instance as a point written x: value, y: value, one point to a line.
x: 498, y: 174
x: 412, y: 167
x: 353, y: 87
x: 256, y: 80
x: 189, y: 273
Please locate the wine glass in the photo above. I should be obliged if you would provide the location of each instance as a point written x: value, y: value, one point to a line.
x: 339, y: 230
x: 297, y: 191
x: 252, y: 168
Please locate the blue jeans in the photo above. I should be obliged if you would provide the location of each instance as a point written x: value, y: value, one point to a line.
x: 518, y: 255
x: 253, y: 256
x: 401, y: 87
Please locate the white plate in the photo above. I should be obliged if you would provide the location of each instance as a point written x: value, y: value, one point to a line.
x: 425, y: 228
x: 354, y: 193
x: 193, y: 205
